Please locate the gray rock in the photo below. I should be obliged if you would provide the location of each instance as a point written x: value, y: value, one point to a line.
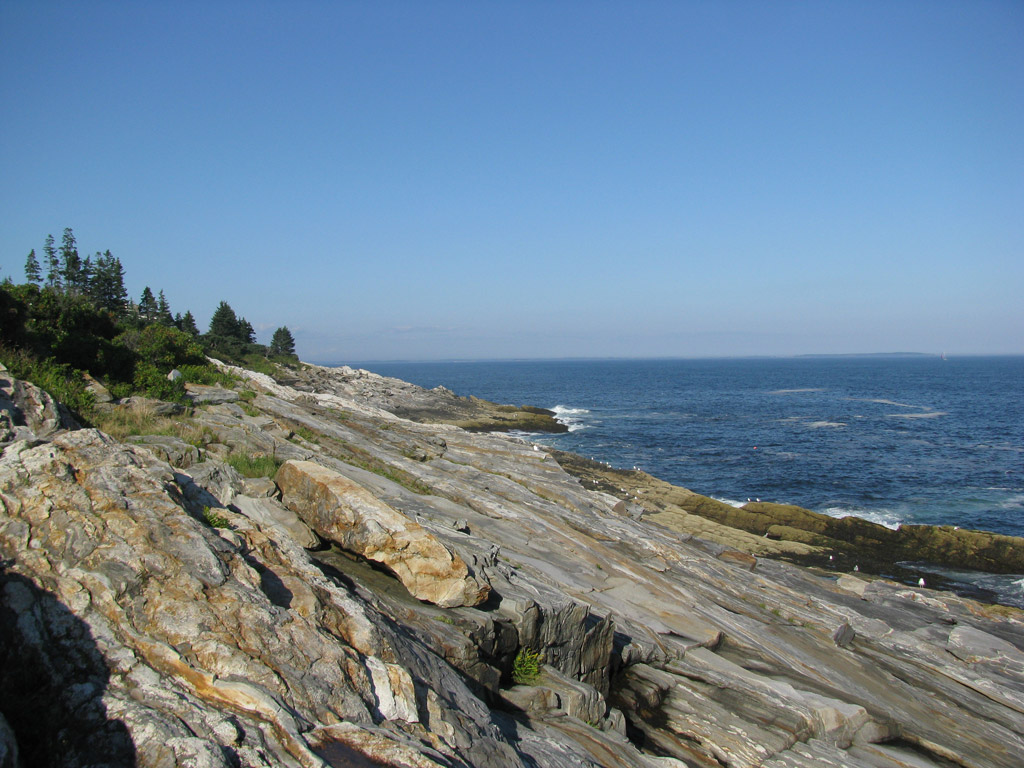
x: 199, y: 394
x: 171, y: 449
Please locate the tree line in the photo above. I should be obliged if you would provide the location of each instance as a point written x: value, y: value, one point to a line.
x: 73, y: 316
x: 101, y: 279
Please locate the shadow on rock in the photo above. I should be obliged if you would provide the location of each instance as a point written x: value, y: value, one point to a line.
x: 52, y: 680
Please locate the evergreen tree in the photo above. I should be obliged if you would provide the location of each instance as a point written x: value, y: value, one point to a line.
x: 147, y: 305
x: 53, y: 269
x: 188, y: 324
x: 32, y: 272
x: 106, y: 285
x: 86, y: 274
x: 73, y: 282
x: 224, y: 323
x: 282, y: 343
x: 163, y: 310
x: 246, y: 332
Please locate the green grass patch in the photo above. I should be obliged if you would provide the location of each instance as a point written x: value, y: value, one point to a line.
x: 307, y: 434
x: 249, y: 410
x: 253, y: 465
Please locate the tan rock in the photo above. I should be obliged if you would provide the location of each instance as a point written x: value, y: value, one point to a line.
x: 345, y: 512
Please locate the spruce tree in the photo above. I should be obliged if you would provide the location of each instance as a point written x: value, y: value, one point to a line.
x: 52, y: 263
x: 32, y: 272
x: 246, y: 332
x: 147, y: 305
x: 188, y: 324
x: 282, y: 343
x: 72, y: 262
x: 224, y: 323
x: 163, y: 310
x: 107, y: 284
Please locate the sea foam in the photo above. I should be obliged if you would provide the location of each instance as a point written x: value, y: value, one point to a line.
x: 887, y: 517
x: 570, y: 417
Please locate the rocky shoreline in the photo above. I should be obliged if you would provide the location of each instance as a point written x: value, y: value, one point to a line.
x: 378, y: 590
x: 798, y: 535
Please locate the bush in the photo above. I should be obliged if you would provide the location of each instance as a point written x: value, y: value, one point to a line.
x: 152, y: 383
x: 206, y: 374
x: 163, y: 347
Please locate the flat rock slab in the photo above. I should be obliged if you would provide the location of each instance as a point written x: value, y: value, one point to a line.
x: 201, y: 395
x: 345, y: 512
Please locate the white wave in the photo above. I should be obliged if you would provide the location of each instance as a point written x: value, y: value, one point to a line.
x: 820, y: 424
x: 570, y: 417
x: 1013, y: 502
x: 882, y: 401
x: 730, y: 502
x: 928, y: 415
x: 887, y: 517
x: 796, y: 391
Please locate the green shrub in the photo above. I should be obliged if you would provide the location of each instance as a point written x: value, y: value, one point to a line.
x: 206, y: 374
x: 526, y: 667
x: 152, y: 383
x: 253, y: 465
x: 163, y: 347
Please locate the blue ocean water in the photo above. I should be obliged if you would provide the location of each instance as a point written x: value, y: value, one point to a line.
x: 914, y: 439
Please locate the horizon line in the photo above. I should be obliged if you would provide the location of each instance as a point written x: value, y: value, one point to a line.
x: 614, y: 358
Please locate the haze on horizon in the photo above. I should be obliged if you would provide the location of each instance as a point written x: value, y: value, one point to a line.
x: 457, y: 180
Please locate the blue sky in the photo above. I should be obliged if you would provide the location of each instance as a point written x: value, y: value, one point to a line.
x: 438, y: 180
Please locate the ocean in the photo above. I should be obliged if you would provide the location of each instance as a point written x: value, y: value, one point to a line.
x: 892, y: 439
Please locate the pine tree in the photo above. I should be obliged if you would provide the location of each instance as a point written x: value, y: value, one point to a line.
x: 282, y: 342
x: 163, y: 310
x: 53, y: 269
x: 72, y: 262
x: 246, y: 332
x: 188, y: 324
x: 32, y: 272
x: 106, y: 285
x: 224, y: 323
x: 147, y: 305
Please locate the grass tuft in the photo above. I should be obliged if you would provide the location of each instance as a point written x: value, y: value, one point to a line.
x: 526, y: 667
x: 253, y: 465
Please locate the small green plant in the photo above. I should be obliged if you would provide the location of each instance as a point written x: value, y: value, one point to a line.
x: 246, y: 395
x: 213, y: 519
x: 250, y: 410
x: 253, y: 465
x: 307, y: 434
x: 445, y: 619
x: 526, y: 667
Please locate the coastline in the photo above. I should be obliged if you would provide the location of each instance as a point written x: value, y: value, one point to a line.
x: 291, y: 570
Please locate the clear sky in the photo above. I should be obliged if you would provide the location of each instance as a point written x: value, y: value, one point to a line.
x: 491, y: 179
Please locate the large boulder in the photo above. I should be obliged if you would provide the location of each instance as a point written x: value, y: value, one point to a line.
x: 345, y: 512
